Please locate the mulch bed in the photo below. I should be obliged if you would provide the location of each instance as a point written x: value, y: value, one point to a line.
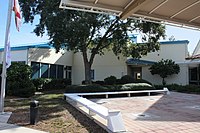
x: 55, y: 116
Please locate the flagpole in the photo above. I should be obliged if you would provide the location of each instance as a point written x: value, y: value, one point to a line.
x: 3, y: 75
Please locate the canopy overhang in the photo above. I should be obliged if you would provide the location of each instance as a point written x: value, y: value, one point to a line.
x: 178, y: 12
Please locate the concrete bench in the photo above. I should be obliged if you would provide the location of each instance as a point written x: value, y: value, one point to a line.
x: 113, y: 118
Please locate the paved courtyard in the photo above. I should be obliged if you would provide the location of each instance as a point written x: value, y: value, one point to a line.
x: 174, y: 113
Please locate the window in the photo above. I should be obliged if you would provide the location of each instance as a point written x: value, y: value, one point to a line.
x: 92, y: 74
x: 36, y: 70
x: 52, y: 71
x: 68, y: 72
x: 60, y: 71
x: 44, y: 70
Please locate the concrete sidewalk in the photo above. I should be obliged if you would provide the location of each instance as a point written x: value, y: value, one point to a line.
x: 11, y: 128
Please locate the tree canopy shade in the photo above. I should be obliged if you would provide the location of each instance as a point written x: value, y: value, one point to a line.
x: 90, y: 33
x: 164, y: 68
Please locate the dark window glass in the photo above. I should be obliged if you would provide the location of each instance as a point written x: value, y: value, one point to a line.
x: 60, y: 71
x: 193, y: 73
x: 52, y: 71
x: 36, y: 70
x: 44, y: 70
x: 68, y: 72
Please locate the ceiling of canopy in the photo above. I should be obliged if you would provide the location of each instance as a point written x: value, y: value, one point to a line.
x: 184, y: 13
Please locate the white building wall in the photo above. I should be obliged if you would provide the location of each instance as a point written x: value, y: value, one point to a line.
x: 103, y: 66
x: 16, y: 55
x: 180, y: 78
x: 176, y: 52
x: 50, y: 56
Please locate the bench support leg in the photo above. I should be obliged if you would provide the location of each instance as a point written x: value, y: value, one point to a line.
x: 106, y: 95
x: 115, y: 122
x: 129, y: 94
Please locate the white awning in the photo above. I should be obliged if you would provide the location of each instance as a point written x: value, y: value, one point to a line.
x: 179, y: 12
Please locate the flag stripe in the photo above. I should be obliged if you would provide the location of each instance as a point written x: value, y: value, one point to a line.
x: 16, y: 9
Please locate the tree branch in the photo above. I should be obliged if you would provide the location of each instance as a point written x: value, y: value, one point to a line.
x: 92, y: 35
x: 94, y: 52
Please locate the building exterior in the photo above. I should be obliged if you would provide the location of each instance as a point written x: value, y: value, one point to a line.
x: 194, y: 66
x: 46, y: 63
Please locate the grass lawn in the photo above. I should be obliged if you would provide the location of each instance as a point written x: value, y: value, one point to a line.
x: 55, y: 114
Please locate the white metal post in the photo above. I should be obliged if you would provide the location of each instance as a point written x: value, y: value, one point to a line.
x: 3, y: 75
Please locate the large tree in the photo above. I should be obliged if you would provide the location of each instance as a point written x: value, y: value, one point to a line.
x: 164, y: 68
x: 90, y: 33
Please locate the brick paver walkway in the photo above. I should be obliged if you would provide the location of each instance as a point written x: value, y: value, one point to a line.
x: 174, y: 113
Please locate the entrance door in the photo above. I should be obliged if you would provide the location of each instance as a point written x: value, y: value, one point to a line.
x: 136, y: 72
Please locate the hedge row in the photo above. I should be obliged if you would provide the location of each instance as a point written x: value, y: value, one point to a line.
x: 43, y: 84
x: 112, y: 80
x: 194, y: 89
x: 108, y: 88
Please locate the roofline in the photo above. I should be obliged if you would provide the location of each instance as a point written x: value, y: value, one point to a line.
x: 47, y: 45
x: 25, y: 47
x: 175, y: 42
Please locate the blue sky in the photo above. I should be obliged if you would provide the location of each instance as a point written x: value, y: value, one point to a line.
x: 25, y: 36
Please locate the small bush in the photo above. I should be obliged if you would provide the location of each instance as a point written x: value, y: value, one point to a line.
x: 19, y: 82
x: 38, y: 83
x: 126, y: 79
x: 85, y: 88
x: 99, y: 82
x: 137, y: 86
x: 181, y: 88
x: 110, y: 80
x: 22, y: 89
x: 53, y: 84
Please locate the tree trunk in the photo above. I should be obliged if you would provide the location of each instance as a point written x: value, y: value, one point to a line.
x: 87, y: 73
x: 87, y: 66
x: 163, y: 81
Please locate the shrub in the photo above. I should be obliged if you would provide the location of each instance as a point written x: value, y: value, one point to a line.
x: 23, y: 89
x: 99, y: 82
x: 137, y: 86
x: 38, y: 83
x: 53, y: 84
x: 126, y: 79
x: 110, y: 80
x: 19, y: 82
x: 85, y: 88
x: 141, y: 81
x: 107, y: 88
x: 181, y: 88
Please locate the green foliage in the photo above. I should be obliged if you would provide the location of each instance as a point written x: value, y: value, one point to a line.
x: 83, y: 32
x: 137, y: 86
x: 18, y: 80
x: 54, y: 84
x: 39, y: 82
x: 111, y: 80
x: 108, y: 88
x: 126, y: 79
x: 194, y: 89
x: 164, y: 68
